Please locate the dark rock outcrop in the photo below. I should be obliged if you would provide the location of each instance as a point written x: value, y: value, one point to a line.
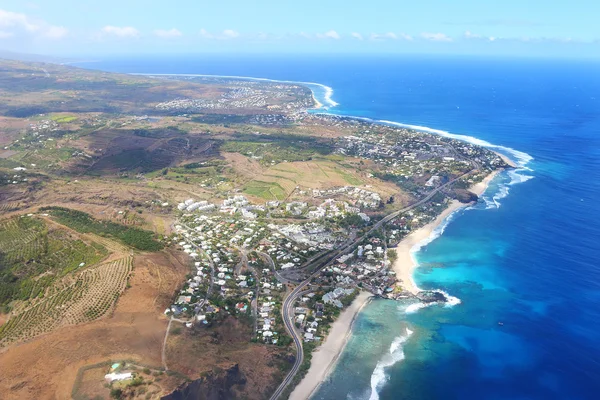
x: 464, y: 196
x: 431, y: 296
x: 215, y: 386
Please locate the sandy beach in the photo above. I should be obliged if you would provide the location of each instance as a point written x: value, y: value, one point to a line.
x: 404, y: 264
x: 325, y: 357
x: 318, y: 104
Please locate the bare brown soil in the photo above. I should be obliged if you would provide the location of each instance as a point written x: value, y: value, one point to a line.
x: 46, y: 367
x: 199, y: 351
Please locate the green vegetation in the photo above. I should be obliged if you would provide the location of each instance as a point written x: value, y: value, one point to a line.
x: 63, y: 119
x: 32, y: 257
x: 84, y: 223
x: 82, y: 297
x: 265, y: 190
x: 273, y: 149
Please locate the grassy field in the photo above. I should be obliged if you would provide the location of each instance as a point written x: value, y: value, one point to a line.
x: 278, y: 181
x: 63, y: 119
x: 265, y: 190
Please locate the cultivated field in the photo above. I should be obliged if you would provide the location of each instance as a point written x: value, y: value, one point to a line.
x: 88, y: 295
x: 279, y: 181
x: 46, y: 367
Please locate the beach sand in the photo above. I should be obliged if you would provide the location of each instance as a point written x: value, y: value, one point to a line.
x: 318, y: 104
x: 405, y: 264
x: 325, y: 357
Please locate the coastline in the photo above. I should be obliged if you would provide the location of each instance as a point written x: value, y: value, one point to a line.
x: 327, y: 354
x: 405, y: 264
x: 318, y: 104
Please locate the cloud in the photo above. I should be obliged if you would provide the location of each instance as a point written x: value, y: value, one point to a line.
x: 470, y: 35
x: 122, y: 32
x: 331, y: 34
x: 390, y: 35
x: 205, y: 34
x: 168, y: 33
x: 10, y: 19
x: 436, y: 37
x: 474, y: 36
x: 55, y: 32
x: 226, y: 34
x: 357, y: 36
x: 18, y: 24
x: 230, y: 33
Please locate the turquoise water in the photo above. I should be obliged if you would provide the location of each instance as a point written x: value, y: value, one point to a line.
x: 524, y: 262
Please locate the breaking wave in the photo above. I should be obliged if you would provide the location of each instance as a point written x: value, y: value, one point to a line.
x: 395, y: 355
x: 519, y: 158
x: 324, y: 98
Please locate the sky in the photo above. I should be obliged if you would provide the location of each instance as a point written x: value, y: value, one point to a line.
x: 545, y: 28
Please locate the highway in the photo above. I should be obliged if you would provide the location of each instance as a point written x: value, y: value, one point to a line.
x: 324, y: 261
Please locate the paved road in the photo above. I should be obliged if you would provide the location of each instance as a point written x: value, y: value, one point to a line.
x: 267, y: 258
x: 324, y: 261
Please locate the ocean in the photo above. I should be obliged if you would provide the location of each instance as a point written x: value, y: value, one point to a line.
x: 524, y: 261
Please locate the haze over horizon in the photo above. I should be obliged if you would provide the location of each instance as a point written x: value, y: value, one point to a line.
x: 70, y: 28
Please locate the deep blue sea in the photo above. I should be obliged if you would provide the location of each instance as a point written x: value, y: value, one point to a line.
x: 524, y: 262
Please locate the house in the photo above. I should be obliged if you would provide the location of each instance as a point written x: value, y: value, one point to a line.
x: 118, y: 376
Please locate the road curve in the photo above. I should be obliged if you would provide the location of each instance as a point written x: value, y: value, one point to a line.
x: 291, y: 298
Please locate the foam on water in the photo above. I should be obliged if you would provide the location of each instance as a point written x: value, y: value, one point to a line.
x: 395, y: 355
x: 326, y: 99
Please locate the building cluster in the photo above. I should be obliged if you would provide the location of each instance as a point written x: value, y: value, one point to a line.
x: 367, y: 267
x: 363, y: 198
x: 245, y: 94
x: 270, y: 296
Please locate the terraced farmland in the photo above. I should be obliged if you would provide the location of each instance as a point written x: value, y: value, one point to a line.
x: 85, y: 296
x: 33, y: 254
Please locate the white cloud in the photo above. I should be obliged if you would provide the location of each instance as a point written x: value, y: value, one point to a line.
x: 205, y: 34
x: 10, y: 19
x: 230, y: 33
x: 390, y: 35
x: 123, y: 32
x: 226, y: 34
x: 331, y: 34
x: 55, y: 32
x: 471, y: 35
x: 18, y: 24
x: 436, y: 37
x: 168, y: 33
x: 357, y: 36
x: 305, y: 35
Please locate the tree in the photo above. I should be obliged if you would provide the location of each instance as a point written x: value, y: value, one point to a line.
x: 116, y: 393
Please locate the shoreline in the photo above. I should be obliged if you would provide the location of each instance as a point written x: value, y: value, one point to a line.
x: 326, y: 356
x: 405, y: 264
